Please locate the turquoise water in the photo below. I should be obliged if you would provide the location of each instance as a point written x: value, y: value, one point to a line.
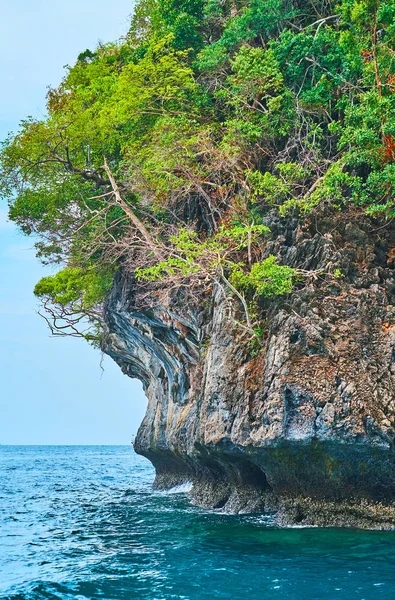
x: 81, y: 522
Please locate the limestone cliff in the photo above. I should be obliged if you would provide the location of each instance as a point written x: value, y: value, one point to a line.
x: 303, y: 428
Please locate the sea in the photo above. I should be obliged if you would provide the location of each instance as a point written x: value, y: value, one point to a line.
x: 83, y: 522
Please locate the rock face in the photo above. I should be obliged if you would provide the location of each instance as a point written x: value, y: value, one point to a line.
x: 303, y: 428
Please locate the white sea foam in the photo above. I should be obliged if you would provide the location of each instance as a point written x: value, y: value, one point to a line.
x: 184, y: 488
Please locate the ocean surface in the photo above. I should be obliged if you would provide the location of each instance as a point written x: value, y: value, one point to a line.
x: 82, y: 522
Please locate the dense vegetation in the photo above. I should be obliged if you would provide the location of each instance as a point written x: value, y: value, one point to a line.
x: 163, y: 153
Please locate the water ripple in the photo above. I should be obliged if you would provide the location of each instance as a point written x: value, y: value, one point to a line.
x: 83, y: 523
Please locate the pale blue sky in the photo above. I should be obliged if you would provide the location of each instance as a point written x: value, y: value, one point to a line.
x: 52, y: 390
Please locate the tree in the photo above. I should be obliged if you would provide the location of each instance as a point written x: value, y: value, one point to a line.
x: 162, y: 154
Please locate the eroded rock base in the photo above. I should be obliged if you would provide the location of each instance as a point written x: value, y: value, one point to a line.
x: 293, y: 511
x: 305, y: 485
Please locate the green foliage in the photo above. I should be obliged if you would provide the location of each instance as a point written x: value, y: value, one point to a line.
x: 72, y: 300
x: 208, y: 115
x: 216, y: 258
x: 197, y: 256
x: 266, y: 278
x: 255, y: 343
x: 256, y: 18
x: 275, y: 190
x: 75, y: 286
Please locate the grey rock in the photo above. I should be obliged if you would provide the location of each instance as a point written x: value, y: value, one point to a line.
x: 305, y: 429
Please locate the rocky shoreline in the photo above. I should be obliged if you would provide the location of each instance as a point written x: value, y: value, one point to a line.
x: 304, y: 427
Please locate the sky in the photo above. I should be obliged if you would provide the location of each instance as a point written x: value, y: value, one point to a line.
x: 52, y: 390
